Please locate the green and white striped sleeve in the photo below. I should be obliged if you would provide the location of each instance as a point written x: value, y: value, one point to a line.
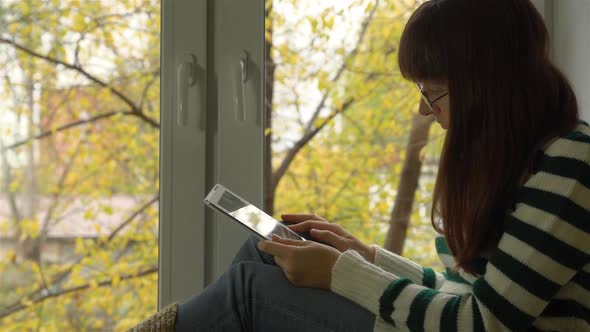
x: 546, y: 245
x: 403, y: 267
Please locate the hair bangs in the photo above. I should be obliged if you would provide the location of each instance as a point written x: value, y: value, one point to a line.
x: 422, y: 55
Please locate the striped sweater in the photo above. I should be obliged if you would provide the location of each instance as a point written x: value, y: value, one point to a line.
x: 536, y: 279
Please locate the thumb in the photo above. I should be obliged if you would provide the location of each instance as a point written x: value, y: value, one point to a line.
x: 330, y: 238
x: 290, y: 242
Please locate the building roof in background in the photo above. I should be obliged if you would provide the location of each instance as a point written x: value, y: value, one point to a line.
x: 76, y: 217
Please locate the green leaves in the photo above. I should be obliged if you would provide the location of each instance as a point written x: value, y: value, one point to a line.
x: 91, y: 252
x: 349, y: 172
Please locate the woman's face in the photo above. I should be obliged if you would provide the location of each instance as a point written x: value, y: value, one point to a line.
x: 441, y: 106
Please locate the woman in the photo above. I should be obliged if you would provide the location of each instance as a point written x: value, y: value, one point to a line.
x: 511, y: 202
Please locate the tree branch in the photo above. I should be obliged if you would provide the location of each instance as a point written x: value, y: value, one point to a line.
x: 18, y: 304
x: 147, y: 87
x: 16, y: 215
x: 66, y: 291
x: 67, y: 126
x: 14, y: 209
x: 133, y: 216
x: 408, y: 184
x: 60, y: 185
x: 310, y: 132
x: 134, y: 107
x: 343, y: 66
x: 336, y: 196
x: 292, y: 152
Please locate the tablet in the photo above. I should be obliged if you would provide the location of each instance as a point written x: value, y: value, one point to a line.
x: 247, y: 215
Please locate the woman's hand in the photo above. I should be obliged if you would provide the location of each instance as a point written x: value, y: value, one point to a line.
x: 305, y: 263
x: 326, y: 232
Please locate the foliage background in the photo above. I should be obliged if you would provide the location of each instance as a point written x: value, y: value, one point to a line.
x: 80, y: 130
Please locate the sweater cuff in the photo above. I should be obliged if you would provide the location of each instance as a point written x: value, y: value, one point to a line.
x: 398, y: 265
x: 360, y: 281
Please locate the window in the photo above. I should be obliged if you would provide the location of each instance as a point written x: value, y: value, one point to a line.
x: 344, y: 124
x: 319, y: 121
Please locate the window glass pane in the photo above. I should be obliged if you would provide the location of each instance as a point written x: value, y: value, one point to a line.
x: 79, y: 135
x: 339, y: 118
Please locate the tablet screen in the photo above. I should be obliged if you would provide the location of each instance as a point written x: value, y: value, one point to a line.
x: 252, y: 217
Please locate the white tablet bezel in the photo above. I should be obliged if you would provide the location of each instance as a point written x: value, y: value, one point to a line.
x: 212, y: 199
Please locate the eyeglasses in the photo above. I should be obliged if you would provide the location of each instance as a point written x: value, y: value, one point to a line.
x: 425, y: 98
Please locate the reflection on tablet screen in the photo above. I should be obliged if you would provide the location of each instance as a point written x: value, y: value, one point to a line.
x: 262, y: 223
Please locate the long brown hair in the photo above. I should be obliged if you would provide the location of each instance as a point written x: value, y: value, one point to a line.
x: 507, y: 99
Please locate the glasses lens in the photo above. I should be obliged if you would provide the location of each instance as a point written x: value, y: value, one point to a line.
x: 426, y: 100
x: 421, y: 89
x: 439, y: 98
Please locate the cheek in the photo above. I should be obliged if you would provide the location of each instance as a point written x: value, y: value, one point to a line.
x: 445, y: 108
x: 446, y: 113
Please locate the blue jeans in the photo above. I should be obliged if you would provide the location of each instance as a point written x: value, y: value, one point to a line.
x: 255, y: 295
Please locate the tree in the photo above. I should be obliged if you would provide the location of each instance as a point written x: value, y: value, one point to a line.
x: 401, y: 213
x: 347, y: 161
x: 318, y: 120
x: 87, y: 130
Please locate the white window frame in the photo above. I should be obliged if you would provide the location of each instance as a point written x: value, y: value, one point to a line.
x: 182, y: 151
x: 221, y: 142
x: 568, y: 28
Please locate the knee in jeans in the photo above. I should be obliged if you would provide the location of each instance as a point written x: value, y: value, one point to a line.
x: 242, y: 270
x: 242, y: 278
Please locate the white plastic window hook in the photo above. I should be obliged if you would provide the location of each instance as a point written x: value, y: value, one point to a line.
x: 186, y: 77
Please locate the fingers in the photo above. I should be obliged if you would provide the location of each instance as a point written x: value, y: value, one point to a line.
x: 306, y: 226
x: 279, y: 246
x: 289, y: 242
x: 330, y: 238
x: 273, y: 248
x: 300, y: 217
x: 280, y: 263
